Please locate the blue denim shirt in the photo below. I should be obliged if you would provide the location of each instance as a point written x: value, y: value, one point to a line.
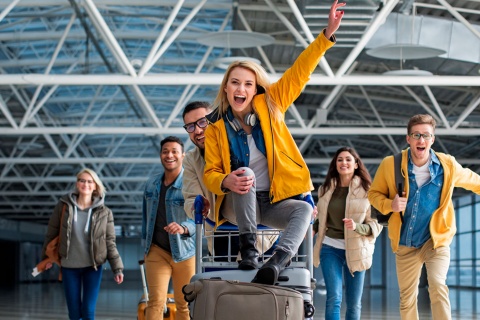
x: 421, y: 204
x: 182, y: 247
x: 239, y: 151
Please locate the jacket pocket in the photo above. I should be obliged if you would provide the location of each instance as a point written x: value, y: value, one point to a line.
x: 292, y: 160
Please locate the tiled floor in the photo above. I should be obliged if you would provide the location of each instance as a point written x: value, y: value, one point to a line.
x: 46, y: 302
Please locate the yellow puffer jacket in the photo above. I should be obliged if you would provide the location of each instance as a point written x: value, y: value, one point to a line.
x: 289, y: 175
x: 442, y: 223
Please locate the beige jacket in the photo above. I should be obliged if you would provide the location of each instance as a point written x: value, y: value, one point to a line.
x: 358, y: 248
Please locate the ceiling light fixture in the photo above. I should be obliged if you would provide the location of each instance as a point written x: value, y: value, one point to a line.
x: 224, y: 62
x: 236, y: 39
x: 404, y: 52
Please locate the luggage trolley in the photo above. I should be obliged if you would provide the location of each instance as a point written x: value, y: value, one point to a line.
x: 298, y: 275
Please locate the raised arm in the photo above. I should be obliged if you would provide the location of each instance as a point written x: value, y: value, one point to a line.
x: 334, y: 18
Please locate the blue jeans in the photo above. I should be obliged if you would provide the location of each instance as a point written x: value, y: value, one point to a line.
x: 334, y: 267
x: 77, y: 281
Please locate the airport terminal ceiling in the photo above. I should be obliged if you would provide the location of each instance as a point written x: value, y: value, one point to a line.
x: 98, y: 83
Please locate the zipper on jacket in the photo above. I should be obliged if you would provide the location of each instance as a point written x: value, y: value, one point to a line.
x: 273, y: 155
x: 91, y: 240
x: 287, y: 309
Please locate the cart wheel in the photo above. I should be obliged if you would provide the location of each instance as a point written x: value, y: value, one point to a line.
x: 309, y: 310
x: 166, y: 313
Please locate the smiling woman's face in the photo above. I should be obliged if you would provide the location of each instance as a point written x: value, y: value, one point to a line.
x: 241, y: 87
x: 85, y: 184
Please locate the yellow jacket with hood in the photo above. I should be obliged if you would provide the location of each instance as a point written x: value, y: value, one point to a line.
x: 288, y: 172
x: 442, y: 224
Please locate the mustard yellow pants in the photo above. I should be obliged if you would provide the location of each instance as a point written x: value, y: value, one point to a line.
x: 160, y: 267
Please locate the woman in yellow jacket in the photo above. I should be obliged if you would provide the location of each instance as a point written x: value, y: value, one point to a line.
x: 252, y: 162
x: 346, y: 233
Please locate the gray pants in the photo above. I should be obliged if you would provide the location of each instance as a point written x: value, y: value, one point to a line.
x: 252, y: 208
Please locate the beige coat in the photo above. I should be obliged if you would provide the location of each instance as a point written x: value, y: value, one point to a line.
x: 358, y: 248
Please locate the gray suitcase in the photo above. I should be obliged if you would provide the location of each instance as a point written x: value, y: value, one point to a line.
x: 297, y: 277
x: 293, y: 278
x: 216, y: 299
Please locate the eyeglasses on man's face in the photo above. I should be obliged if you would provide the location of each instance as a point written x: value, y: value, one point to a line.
x: 86, y: 181
x: 425, y: 136
x: 201, y: 123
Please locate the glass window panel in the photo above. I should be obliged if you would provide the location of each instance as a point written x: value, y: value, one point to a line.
x: 465, y: 243
x: 477, y: 216
x: 477, y: 245
x: 453, y: 249
x: 465, y: 200
x: 466, y: 276
x: 377, y: 265
x: 464, y: 219
x: 451, y: 276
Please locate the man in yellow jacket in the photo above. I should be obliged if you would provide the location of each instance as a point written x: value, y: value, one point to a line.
x: 423, y: 222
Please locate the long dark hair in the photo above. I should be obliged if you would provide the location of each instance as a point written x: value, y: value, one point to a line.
x: 333, y: 174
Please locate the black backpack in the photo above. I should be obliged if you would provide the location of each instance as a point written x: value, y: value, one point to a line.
x: 383, y: 218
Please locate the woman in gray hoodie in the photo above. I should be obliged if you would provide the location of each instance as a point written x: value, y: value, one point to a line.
x: 87, y: 240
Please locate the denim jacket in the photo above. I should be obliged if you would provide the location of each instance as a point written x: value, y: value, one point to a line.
x: 422, y: 203
x: 182, y: 246
x: 239, y: 151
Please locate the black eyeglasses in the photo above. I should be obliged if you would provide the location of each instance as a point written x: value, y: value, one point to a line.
x: 201, y: 123
x: 425, y: 136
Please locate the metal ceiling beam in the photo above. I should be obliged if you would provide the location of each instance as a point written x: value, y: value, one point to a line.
x: 309, y: 161
x: 369, y: 32
x: 207, y: 79
x: 143, y: 131
x: 459, y: 17
x: 172, y: 38
x: 161, y: 37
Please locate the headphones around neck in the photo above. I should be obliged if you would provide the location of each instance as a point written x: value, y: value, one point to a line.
x: 250, y: 120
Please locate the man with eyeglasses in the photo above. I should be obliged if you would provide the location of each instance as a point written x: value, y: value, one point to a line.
x: 422, y: 225
x: 195, y: 118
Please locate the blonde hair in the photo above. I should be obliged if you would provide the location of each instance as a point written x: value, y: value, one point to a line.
x: 100, y: 189
x: 263, y: 84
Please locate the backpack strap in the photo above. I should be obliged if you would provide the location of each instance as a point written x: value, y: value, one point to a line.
x: 398, y: 176
x: 398, y: 172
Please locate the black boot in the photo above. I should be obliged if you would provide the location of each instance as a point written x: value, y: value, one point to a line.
x: 248, y: 251
x: 268, y: 273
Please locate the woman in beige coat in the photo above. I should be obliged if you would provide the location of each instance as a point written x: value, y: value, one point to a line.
x: 346, y: 232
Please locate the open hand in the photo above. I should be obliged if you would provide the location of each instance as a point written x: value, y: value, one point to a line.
x: 334, y: 18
